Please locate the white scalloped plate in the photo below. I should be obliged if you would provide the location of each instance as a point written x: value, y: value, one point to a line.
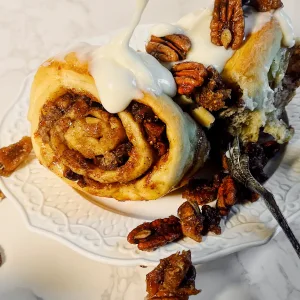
x: 53, y: 208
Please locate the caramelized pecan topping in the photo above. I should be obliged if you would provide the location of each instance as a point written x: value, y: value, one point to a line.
x: 213, y: 93
x: 150, y: 236
x: 202, y: 191
x: 188, y: 76
x: 227, y: 25
x: 174, y: 278
x: 169, y: 48
x: 266, y: 5
x: 14, y: 155
x: 191, y: 221
x: 227, y: 196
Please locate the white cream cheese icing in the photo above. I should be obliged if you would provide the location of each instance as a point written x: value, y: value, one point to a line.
x: 122, y: 74
x: 164, y: 29
x: 286, y: 27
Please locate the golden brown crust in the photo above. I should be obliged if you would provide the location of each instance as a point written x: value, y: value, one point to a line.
x: 248, y: 67
x: 188, y: 147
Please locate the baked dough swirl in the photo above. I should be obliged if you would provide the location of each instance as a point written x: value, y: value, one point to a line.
x: 141, y: 153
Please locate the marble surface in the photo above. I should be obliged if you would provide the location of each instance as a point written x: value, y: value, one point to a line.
x: 37, y: 267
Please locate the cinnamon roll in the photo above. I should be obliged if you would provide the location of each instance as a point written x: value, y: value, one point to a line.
x: 141, y: 153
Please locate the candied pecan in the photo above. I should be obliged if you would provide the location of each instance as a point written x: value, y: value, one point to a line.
x: 173, y: 278
x: 150, y: 236
x: 154, y: 131
x: 2, y: 196
x: 202, y: 191
x: 228, y: 25
x: 245, y: 195
x: 122, y: 153
x: 191, y: 221
x: 14, y: 155
x: 169, y: 48
x: 162, y: 148
x: 227, y: 196
x: 225, y: 162
x: 212, y: 220
x: 266, y: 5
x: 188, y: 76
x: 108, y: 161
x: 156, y: 136
x: 213, y: 93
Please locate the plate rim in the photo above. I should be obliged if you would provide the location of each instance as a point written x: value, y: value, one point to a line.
x: 110, y: 260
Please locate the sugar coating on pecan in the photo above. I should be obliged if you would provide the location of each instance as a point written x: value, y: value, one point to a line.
x: 266, y: 5
x: 191, y: 221
x: 173, y: 278
x: 14, y: 155
x: 150, y: 236
x: 228, y: 25
x: 202, y: 191
x: 169, y: 48
x: 188, y: 76
x: 213, y: 93
x: 227, y: 196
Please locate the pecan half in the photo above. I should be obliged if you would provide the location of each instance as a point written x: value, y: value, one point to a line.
x: 150, y: 236
x: 266, y: 5
x: 169, y: 48
x: 228, y: 25
x: 213, y: 93
x: 188, y: 76
x: 227, y: 196
x: 173, y: 278
x: 191, y: 221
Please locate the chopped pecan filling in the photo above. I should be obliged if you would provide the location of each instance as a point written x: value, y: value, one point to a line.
x: 169, y: 48
x: 173, y: 278
x: 188, y: 76
x: 114, y: 159
x: 14, y: 155
x: 227, y: 25
x: 154, y: 128
x: 191, y: 221
x: 69, y: 174
x: 150, y: 236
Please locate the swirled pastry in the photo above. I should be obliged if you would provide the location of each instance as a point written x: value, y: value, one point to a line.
x: 141, y: 153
